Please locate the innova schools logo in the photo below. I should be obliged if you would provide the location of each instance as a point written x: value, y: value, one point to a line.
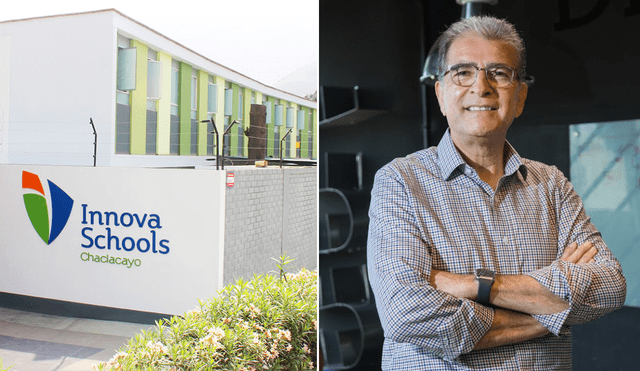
x: 47, y: 223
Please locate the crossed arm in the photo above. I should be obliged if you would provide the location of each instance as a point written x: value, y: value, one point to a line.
x: 435, y: 310
x: 516, y: 298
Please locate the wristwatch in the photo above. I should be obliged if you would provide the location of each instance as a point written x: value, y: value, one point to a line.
x: 485, y: 279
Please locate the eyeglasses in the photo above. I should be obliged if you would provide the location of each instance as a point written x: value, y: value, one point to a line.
x: 466, y: 74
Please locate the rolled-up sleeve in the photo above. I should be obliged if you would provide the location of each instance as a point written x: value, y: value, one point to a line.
x: 593, y: 289
x: 399, y: 264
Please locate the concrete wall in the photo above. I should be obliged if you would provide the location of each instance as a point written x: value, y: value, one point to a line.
x: 300, y: 224
x: 164, y: 236
x: 270, y: 212
x: 215, y: 233
x: 50, y: 89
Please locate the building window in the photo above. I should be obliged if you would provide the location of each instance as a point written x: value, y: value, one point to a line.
x: 175, y: 86
x: 210, y: 139
x: 279, y: 114
x: 127, y: 57
x: 126, y: 70
x: 240, y: 139
x: 122, y: 97
x: 268, y: 105
x: 228, y: 101
x: 227, y: 140
x: 212, y: 109
x: 194, y: 94
x: 125, y: 80
x: 290, y: 115
x: 152, y: 132
x: 194, y: 112
x: 300, y: 120
x: 154, y: 76
x: 212, y: 98
x: 276, y: 141
x: 287, y: 145
x: 310, y: 137
x: 174, y: 131
x: 240, y: 104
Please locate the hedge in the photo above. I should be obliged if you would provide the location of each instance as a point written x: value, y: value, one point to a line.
x: 267, y: 323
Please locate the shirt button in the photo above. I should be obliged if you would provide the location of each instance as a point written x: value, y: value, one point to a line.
x: 505, y: 240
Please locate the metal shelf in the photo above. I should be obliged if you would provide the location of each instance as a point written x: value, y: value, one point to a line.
x: 344, y: 99
x: 351, y: 117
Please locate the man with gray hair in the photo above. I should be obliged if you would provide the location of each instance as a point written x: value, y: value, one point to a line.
x: 478, y: 258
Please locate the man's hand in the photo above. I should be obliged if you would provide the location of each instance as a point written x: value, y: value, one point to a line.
x: 582, y: 254
x: 509, y: 327
x: 459, y: 285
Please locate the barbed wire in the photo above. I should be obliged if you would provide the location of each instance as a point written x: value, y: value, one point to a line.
x: 90, y: 153
x: 81, y: 128
x: 148, y: 135
x: 47, y: 138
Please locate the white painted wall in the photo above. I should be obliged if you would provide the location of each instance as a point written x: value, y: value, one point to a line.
x: 5, y: 84
x: 62, y: 72
x: 188, y: 203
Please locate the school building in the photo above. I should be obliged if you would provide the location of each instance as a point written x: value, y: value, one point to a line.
x: 184, y: 229
x: 150, y: 98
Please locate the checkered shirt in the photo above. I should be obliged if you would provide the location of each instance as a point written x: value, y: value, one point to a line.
x: 430, y: 209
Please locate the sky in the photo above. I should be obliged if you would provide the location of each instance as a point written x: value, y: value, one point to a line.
x: 266, y: 40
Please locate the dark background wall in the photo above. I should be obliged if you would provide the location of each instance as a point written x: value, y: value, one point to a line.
x: 582, y: 53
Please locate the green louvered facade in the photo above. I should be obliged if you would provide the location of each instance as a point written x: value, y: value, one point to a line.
x: 193, y: 136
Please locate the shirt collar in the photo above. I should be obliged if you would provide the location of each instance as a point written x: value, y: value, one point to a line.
x: 449, y: 159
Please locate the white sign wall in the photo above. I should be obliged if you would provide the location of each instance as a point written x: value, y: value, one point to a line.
x: 140, y: 239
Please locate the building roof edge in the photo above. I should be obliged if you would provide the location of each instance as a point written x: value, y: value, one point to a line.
x: 163, y: 36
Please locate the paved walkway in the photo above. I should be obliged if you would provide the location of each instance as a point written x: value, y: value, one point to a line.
x: 41, y: 342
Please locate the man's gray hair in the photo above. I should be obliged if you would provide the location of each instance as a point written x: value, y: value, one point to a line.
x: 489, y: 28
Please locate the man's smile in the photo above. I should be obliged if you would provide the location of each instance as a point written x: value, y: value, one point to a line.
x: 481, y: 108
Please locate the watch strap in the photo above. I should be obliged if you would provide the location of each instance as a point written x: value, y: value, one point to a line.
x: 485, y: 278
x: 484, y: 290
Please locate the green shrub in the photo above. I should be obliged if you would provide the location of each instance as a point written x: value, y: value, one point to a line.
x: 268, y: 323
x: 2, y: 365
